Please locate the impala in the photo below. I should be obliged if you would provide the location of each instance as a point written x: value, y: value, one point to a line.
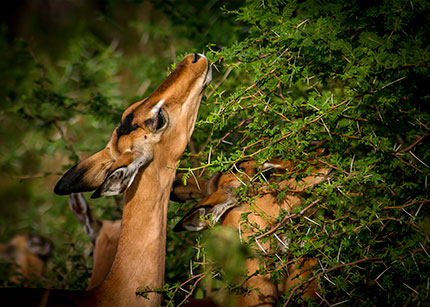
x: 221, y: 205
x: 28, y: 254
x: 103, y: 234
x: 140, y: 160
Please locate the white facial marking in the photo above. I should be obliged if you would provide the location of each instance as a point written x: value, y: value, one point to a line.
x: 157, y: 107
x: 271, y: 165
x: 219, y: 210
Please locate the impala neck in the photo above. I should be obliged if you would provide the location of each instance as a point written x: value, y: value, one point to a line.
x: 140, y: 259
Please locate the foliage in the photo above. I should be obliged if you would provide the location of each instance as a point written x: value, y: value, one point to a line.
x: 290, y: 76
x: 349, y: 77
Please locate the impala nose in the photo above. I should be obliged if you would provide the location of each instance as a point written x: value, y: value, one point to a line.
x: 197, y: 56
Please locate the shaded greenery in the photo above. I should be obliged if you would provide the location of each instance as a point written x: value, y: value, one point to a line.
x: 349, y: 76
x: 289, y: 76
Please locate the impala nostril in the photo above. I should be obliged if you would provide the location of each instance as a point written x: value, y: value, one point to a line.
x: 196, y: 57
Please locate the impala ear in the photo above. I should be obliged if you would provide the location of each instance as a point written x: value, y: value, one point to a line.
x: 192, y: 220
x: 86, y: 175
x: 213, y: 183
x: 216, y: 207
x: 85, y: 216
x: 122, y: 173
x: 196, y: 188
x: 79, y: 207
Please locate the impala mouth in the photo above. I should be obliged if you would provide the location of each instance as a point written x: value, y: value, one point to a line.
x: 208, y: 77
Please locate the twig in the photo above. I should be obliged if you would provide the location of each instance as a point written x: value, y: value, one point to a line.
x: 310, y: 122
x: 231, y: 131
x: 286, y: 218
x: 407, y: 163
x: 147, y: 290
x: 332, y: 166
x: 221, y: 81
x: 419, y: 139
x: 391, y: 83
x: 335, y: 267
x: 192, y: 147
x: 282, y: 54
x: 408, y: 204
x: 193, y: 287
x: 413, y: 155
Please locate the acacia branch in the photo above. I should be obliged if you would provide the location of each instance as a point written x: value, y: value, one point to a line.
x: 408, y: 204
x: 221, y: 81
x: 408, y: 163
x: 337, y: 266
x: 409, y: 148
x: 287, y: 217
x: 193, y: 287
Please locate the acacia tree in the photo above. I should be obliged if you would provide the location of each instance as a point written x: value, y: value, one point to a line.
x: 350, y: 77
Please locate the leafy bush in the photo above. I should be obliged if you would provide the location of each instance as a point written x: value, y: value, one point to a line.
x: 290, y: 76
x: 349, y: 77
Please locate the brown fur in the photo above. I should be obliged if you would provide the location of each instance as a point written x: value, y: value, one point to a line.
x: 104, y: 251
x: 28, y: 255
x: 106, y: 243
x: 196, y: 188
x: 103, y: 234
x: 139, y: 261
x: 264, y: 212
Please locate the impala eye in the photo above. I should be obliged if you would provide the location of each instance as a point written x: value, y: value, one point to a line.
x: 160, y: 120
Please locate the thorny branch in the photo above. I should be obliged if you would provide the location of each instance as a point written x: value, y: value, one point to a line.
x: 200, y: 277
x: 197, y: 278
x: 410, y: 147
x: 317, y: 276
x: 408, y: 163
x: 287, y: 217
x: 221, y: 81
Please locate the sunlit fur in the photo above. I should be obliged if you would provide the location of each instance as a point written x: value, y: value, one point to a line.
x: 28, y: 255
x: 264, y: 213
x: 146, y: 196
x: 103, y: 234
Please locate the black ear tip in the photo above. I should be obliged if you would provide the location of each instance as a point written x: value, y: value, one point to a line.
x: 60, y: 188
x: 175, y: 198
x: 96, y: 194
x: 67, y: 184
x: 178, y: 227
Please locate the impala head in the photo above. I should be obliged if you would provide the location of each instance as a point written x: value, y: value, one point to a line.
x: 28, y: 253
x: 25, y: 244
x: 158, y: 127
x: 188, y: 189
x: 222, y: 195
